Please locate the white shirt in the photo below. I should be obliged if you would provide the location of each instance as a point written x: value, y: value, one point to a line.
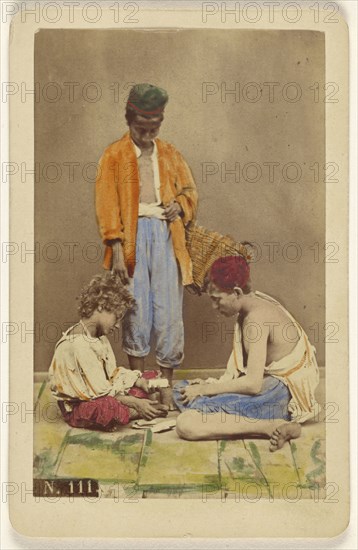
x: 84, y: 368
x: 152, y: 210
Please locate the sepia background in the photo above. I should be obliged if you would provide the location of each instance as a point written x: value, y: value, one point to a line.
x: 82, y: 80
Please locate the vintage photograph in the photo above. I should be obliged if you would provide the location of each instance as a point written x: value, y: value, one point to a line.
x: 178, y: 250
x: 180, y: 264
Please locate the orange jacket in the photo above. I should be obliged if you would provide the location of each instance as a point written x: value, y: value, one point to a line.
x: 117, y: 199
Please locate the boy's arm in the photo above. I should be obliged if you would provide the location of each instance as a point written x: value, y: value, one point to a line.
x: 118, y: 263
x: 107, y: 200
x: 187, y: 196
x: 123, y: 379
x: 249, y: 384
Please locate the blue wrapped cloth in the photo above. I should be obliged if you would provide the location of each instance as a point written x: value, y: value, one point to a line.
x: 272, y: 402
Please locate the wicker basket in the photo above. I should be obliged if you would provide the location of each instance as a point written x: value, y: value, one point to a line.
x: 205, y: 247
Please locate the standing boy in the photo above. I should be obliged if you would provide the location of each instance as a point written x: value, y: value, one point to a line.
x: 145, y: 195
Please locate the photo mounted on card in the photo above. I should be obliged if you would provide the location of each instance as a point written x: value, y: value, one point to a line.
x: 178, y: 253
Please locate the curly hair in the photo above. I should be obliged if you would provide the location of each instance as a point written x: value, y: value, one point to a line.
x: 106, y: 291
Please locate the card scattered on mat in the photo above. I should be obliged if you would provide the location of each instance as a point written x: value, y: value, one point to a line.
x: 155, y: 425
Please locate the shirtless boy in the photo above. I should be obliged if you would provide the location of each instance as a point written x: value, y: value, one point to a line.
x: 271, y: 375
x: 91, y: 391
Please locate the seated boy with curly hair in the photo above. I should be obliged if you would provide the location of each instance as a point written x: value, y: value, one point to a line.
x: 91, y: 391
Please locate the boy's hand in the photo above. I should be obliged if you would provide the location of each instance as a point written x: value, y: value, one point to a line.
x: 119, y: 265
x: 189, y: 393
x: 142, y: 383
x: 147, y: 409
x: 172, y: 211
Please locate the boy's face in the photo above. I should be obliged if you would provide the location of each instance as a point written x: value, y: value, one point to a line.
x: 107, y: 322
x: 144, y: 130
x: 225, y: 302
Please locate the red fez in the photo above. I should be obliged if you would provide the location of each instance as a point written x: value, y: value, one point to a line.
x: 228, y: 272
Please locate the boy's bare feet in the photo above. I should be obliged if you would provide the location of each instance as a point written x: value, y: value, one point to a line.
x: 166, y: 398
x: 285, y: 432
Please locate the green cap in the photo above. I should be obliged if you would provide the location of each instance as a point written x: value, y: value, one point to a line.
x: 147, y: 99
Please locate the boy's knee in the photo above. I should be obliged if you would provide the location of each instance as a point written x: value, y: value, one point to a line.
x: 187, y: 425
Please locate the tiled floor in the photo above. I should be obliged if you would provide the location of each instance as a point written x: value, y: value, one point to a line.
x: 136, y: 464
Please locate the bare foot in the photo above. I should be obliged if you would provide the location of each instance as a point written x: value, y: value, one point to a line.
x: 173, y: 407
x: 166, y: 398
x: 284, y: 433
